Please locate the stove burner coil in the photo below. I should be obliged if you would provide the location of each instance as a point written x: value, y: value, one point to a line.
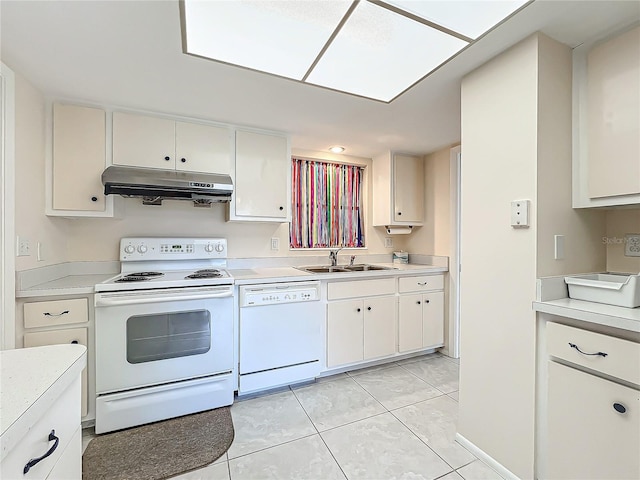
x: 199, y: 274
x: 132, y: 278
x: 139, y: 277
x: 208, y: 270
x: 145, y: 274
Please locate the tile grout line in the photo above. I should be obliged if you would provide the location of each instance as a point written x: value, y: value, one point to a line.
x: 425, y: 443
x: 319, y: 435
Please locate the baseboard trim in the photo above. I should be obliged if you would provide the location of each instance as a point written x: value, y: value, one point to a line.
x: 498, y: 467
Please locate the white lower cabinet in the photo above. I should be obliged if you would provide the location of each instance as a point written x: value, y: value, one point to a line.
x: 56, y: 337
x: 593, y: 427
x: 420, y: 312
x: 65, y: 459
x: 345, y: 332
x: 360, y: 329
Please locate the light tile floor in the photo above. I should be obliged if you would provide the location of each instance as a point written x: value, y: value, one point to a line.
x: 395, y: 421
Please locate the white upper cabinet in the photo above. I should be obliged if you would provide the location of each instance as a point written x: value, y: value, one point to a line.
x: 607, y: 131
x: 262, y: 184
x: 154, y: 142
x: 398, y: 190
x: 78, y: 157
x: 203, y: 148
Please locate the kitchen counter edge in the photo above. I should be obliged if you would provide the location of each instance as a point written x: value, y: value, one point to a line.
x: 32, y: 380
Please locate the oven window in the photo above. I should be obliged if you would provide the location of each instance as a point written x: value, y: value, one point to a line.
x: 168, y: 335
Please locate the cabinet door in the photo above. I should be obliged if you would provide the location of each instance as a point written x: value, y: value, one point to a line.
x: 69, y: 464
x: 203, y: 148
x: 408, y: 178
x: 379, y: 327
x: 613, y: 97
x: 142, y: 141
x: 262, y: 176
x: 587, y: 437
x: 79, y: 146
x: 409, y: 322
x: 55, y: 337
x: 344, y: 332
x: 433, y: 319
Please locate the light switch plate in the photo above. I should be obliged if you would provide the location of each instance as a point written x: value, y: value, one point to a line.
x: 632, y: 245
x: 520, y: 213
x: 275, y: 243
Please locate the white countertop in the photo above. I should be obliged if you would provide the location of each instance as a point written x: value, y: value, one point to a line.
x: 68, y: 285
x: 552, y: 297
x: 599, y: 313
x: 292, y: 274
x: 83, y: 284
x: 31, y: 381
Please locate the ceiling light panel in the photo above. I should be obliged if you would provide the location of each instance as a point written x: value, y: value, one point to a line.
x: 471, y: 18
x: 279, y: 37
x: 379, y: 53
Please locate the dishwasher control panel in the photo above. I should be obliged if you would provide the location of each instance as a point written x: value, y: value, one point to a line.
x: 275, y: 294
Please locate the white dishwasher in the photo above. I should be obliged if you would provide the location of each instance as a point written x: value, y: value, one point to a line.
x: 280, y: 334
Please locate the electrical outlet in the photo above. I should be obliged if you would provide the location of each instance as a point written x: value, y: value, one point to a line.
x: 388, y: 242
x: 22, y: 245
x: 275, y: 243
x: 632, y: 245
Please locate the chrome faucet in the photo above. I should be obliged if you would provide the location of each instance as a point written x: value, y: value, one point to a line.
x: 333, y: 256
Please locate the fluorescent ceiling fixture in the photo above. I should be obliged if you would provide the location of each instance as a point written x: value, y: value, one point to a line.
x: 370, y: 48
x: 470, y: 18
x: 279, y: 37
x: 379, y: 53
x: 337, y: 149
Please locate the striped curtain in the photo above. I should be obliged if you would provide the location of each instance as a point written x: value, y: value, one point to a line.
x: 327, y: 205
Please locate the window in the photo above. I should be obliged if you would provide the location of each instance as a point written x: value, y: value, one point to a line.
x: 327, y: 205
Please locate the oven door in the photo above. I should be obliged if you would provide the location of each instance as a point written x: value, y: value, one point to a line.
x: 151, y: 337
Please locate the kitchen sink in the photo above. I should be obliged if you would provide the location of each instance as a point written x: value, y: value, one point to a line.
x: 323, y: 269
x: 365, y: 268
x: 343, y: 268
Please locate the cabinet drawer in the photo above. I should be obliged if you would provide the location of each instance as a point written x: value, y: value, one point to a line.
x: 54, y: 337
x: 422, y: 283
x: 622, y: 358
x: 361, y: 288
x: 64, y: 418
x: 56, y: 312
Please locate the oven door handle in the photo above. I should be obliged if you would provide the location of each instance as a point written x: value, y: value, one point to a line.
x: 108, y: 300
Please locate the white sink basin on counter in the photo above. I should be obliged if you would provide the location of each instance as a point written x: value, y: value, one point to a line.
x: 610, y: 289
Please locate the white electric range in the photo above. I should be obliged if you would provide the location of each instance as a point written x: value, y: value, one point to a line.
x: 164, y: 332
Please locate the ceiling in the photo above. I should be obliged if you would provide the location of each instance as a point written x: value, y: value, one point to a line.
x: 129, y: 53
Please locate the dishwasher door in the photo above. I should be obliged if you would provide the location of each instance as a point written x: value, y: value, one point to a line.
x: 280, y: 334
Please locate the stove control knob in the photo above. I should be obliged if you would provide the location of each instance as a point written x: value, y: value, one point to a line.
x: 142, y: 249
x: 219, y: 247
x: 129, y: 249
x: 208, y: 248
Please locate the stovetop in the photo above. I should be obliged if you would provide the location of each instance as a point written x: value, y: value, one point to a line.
x: 167, y: 279
x: 156, y: 263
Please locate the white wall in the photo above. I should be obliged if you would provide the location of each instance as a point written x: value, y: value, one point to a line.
x: 433, y: 238
x: 620, y: 223
x: 583, y: 229
x: 30, y: 221
x: 499, y: 123
x: 98, y: 239
x: 516, y: 144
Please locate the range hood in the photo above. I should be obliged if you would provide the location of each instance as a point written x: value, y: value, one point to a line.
x: 154, y: 185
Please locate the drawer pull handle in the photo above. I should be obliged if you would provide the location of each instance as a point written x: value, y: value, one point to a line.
x: 573, y: 345
x: 34, y: 461
x: 47, y: 314
x: 618, y: 407
x: 422, y: 283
